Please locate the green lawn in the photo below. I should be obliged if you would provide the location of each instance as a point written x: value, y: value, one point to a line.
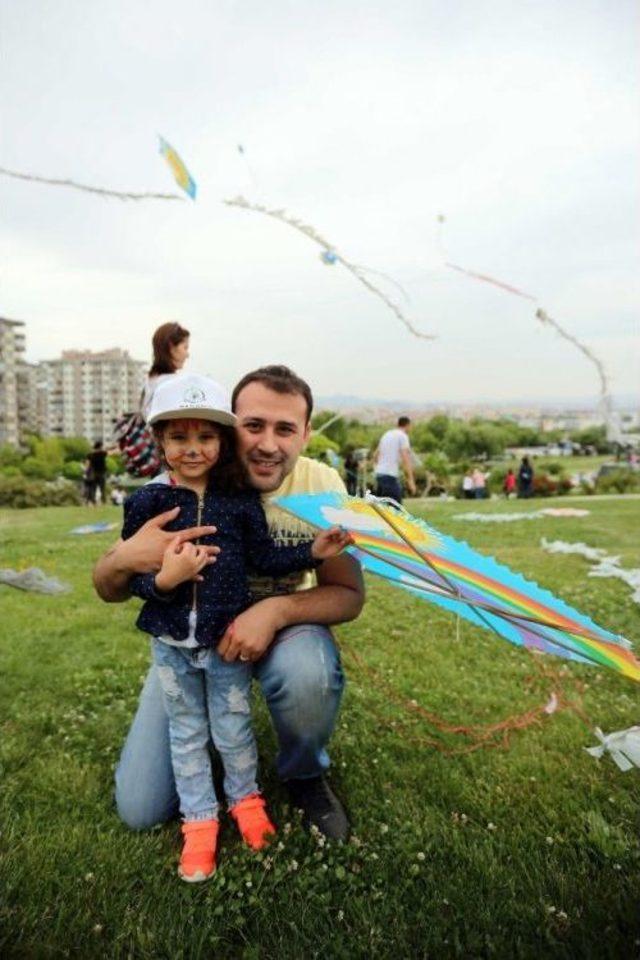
x: 527, y: 850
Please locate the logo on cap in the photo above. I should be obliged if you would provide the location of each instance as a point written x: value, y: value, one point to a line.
x: 193, y: 397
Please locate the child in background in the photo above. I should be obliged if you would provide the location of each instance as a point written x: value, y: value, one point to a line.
x: 190, y: 603
x: 509, y: 485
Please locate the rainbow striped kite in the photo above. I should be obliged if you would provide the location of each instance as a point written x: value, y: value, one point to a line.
x: 182, y: 176
x: 410, y: 554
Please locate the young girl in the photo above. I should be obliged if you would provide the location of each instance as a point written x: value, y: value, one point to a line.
x: 190, y: 603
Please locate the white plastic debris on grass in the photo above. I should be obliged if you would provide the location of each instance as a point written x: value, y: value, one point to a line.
x: 605, y: 565
x: 512, y: 517
x: 622, y: 745
x: 93, y: 528
x: 33, y: 580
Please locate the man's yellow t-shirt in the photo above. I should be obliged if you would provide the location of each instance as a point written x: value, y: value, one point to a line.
x: 308, y: 476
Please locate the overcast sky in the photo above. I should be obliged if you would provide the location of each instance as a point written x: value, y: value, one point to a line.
x: 516, y: 120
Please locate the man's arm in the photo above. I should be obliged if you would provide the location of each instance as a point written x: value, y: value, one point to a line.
x: 141, y: 553
x: 339, y: 597
x: 408, y: 469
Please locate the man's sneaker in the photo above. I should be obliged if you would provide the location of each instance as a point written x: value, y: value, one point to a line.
x: 320, y: 807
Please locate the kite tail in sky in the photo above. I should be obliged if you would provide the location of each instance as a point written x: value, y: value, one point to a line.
x: 544, y: 317
x: 541, y: 315
x: 330, y: 255
x: 121, y: 195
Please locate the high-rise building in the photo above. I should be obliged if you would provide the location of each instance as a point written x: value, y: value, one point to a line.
x: 12, y: 347
x: 82, y: 393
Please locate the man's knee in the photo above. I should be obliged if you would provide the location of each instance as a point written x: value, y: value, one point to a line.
x: 304, y: 676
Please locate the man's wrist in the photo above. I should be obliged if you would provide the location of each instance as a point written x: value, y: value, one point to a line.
x: 279, y: 608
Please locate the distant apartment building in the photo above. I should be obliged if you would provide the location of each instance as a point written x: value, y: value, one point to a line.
x: 82, y: 393
x: 17, y: 385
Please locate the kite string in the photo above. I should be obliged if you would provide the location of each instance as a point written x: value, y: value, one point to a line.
x: 482, y: 735
x: 101, y: 191
x: 357, y: 271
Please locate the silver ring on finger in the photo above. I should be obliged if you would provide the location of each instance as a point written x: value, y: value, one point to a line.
x: 244, y: 658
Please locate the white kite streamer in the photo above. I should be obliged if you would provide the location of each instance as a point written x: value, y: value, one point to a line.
x: 101, y: 191
x: 330, y: 255
x: 541, y: 315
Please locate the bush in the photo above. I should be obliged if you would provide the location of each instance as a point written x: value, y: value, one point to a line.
x: 73, y: 470
x: 620, y: 481
x: 20, y: 493
x: 10, y: 472
x: 545, y: 485
x: 74, y: 448
x: 319, y: 446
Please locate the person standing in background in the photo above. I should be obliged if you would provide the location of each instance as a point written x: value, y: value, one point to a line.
x: 170, y: 345
x: 392, y: 454
x: 97, y: 472
x: 525, y: 479
x: 479, y: 484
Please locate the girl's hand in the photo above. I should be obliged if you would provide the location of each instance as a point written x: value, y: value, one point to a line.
x: 181, y: 561
x: 329, y: 543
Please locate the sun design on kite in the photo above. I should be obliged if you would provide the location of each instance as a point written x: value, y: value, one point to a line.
x: 418, y: 534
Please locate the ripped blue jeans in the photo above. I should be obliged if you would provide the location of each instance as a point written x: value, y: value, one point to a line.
x: 207, y: 698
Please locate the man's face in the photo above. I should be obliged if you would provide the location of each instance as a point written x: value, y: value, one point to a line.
x: 272, y: 431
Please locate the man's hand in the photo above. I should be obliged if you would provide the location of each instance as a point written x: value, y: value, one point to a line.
x: 142, y: 553
x: 181, y: 561
x: 411, y: 486
x: 252, y: 632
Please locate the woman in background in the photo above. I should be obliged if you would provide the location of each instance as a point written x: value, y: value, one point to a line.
x: 170, y: 352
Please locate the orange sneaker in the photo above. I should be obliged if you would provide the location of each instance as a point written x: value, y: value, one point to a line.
x: 198, y: 860
x: 253, y: 822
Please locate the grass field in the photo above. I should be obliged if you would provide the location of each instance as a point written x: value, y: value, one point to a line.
x: 528, y: 850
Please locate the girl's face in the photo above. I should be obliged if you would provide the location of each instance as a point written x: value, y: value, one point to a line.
x: 180, y: 353
x: 191, y: 448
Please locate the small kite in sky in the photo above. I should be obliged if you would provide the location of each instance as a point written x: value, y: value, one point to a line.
x: 182, y: 176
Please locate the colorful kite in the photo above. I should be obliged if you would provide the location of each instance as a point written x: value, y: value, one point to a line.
x: 182, y: 176
x: 330, y: 256
x: 411, y: 554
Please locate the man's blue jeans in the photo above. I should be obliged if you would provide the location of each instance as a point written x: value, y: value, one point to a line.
x: 388, y: 486
x: 302, y: 682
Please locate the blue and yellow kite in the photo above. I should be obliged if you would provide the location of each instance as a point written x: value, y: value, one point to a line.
x: 182, y: 176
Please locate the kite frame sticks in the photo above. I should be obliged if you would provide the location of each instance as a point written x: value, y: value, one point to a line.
x: 451, y: 592
x: 357, y: 271
x: 101, y: 191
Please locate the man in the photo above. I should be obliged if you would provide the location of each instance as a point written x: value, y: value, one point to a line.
x: 394, y: 451
x: 97, y: 466
x: 285, y: 634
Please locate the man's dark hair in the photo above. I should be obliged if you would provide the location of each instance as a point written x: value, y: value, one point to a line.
x: 278, y: 378
x: 404, y: 421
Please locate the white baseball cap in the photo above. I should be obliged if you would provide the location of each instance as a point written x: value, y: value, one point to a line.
x: 191, y: 396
